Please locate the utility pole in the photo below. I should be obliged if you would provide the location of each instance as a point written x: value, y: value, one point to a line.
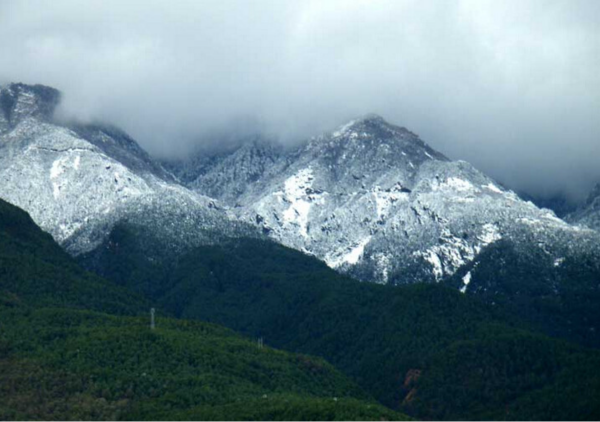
x: 152, y: 324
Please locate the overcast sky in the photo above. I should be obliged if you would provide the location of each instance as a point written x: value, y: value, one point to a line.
x: 511, y: 86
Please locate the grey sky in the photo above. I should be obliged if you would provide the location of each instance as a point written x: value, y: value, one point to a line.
x: 511, y: 86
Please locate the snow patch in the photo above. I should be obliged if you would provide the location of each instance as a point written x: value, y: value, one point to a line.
x: 58, y: 168
x: 453, y: 252
x: 493, y: 188
x: 352, y: 257
x: 466, y: 280
x: 383, y: 264
x: 296, y: 192
x: 459, y: 185
x: 489, y: 234
x: 384, y: 200
x: 55, y: 190
x: 357, y: 252
x: 435, y: 261
x: 343, y: 129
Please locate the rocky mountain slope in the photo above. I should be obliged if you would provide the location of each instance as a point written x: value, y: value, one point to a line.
x: 78, y: 180
x: 373, y: 200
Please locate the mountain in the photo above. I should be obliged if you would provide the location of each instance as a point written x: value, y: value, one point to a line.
x: 76, y: 346
x: 588, y: 214
x: 425, y: 348
x: 370, y: 199
x: 78, y: 180
x: 373, y: 200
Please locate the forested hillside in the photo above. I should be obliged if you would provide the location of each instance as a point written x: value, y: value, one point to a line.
x: 426, y: 349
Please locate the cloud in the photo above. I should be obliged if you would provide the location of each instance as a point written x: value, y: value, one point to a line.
x: 511, y: 86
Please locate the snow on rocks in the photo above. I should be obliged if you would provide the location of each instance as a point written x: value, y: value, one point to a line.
x: 351, y: 257
x: 297, y: 194
x: 466, y: 280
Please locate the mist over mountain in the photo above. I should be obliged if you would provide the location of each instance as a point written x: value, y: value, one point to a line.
x: 511, y: 86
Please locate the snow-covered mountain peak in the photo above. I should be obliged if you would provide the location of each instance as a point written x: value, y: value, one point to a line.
x: 368, y: 120
x: 369, y: 134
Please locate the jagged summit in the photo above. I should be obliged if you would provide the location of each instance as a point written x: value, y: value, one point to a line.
x: 358, y: 153
x: 372, y: 131
x: 368, y: 121
x: 371, y: 119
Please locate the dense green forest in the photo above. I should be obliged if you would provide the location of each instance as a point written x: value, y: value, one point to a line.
x: 74, y: 346
x: 73, y: 364
x: 427, y: 350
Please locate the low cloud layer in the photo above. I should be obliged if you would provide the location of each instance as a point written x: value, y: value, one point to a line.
x: 511, y: 86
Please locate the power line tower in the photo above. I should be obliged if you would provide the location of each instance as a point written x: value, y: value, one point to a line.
x: 261, y: 343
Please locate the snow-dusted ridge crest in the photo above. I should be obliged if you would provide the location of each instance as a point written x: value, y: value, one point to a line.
x: 372, y: 199
x: 77, y: 181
